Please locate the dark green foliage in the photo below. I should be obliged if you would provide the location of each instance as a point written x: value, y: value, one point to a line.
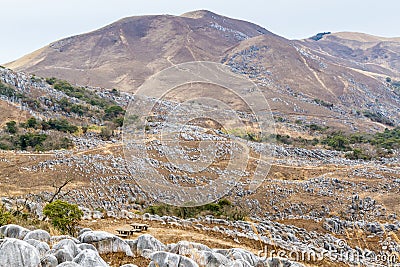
x: 323, y: 103
x: 51, y: 80
x: 113, y: 112
x: 279, y: 119
x: 19, y: 216
x: 31, y: 123
x: 223, y: 209
x: 382, y: 143
x: 63, y: 216
x: 31, y: 140
x: 115, y: 92
x: 62, y: 126
x: 8, y: 91
x: 107, y: 109
x: 317, y: 128
x: 119, y: 122
x: 65, y: 143
x: 68, y: 107
x: 378, y: 117
x: 11, y: 127
x: 358, y: 154
x: 337, y: 141
x: 284, y: 139
x: 288, y: 140
x: 28, y: 140
x: 80, y: 93
x: 389, y: 139
x: 32, y: 103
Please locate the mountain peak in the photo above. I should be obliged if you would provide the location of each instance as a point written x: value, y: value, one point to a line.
x: 197, y: 14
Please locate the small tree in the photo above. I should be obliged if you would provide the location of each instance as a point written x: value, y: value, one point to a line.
x: 106, y: 133
x: 31, y: 123
x: 63, y: 216
x: 11, y: 127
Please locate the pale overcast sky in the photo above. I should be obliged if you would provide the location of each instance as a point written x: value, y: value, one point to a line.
x: 27, y: 25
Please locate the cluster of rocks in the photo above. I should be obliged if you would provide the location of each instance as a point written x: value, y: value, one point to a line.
x: 22, y: 247
x: 242, y: 62
x: 240, y: 36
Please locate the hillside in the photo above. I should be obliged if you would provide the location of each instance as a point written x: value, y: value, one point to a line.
x: 348, y: 81
x: 367, y: 53
x: 124, y: 53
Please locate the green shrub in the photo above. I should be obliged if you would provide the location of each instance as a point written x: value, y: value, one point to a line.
x: 31, y: 140
x: 378, y: 117
x: 11, y: 127
x: 223, y: 209
x: 113, y: 112
x: 337, y: 141
x: 323, y: 103
x: 357, y: 154
x: 5, y: 217
x: 63, y: 216
x: 80, y: 93
x: 61, y: 125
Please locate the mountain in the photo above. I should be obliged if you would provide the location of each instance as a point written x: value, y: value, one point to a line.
x: 345, y: 80
x: 304, y: 84
x: 369, y: 53
x: 125, y: 53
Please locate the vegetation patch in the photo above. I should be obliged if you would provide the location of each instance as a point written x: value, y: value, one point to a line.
x: 378, y: 117
x: 221, y: 209
x: 35, y: 135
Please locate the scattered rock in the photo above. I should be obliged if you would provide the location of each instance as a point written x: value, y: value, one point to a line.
x: 105, y: 242
x: 146, y: 244
x: 90, y: 258
x: 14, y: 252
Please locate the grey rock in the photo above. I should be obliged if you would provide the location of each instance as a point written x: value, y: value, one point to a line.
x: 40, y: 235
x: 210, y: 259
x: 84, y: 230
x: 42, y: 247
x: 48, y: 261
x: 62, y: 255
x: 166, y: 259
x: 186, y: 262
x: 16, y: 252
x: 68, y: 245
x: 84, y: 246
x: 90, y: 258
x: 147, y: 243
x: 14, y: 231
x: 69, y: 264
x: 106, y: 242
x: 58, y: 238
x: 240, y: 263
x: 239, y: 254
x: 186, y: 248
x: 281, y: 262
x: 132, y: 244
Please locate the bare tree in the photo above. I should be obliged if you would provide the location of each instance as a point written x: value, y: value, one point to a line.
x: 59, y: 188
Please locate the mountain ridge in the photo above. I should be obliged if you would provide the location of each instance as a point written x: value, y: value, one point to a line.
x: 340, y: 69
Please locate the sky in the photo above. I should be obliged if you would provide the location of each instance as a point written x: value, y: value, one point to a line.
x: 27, y: 25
